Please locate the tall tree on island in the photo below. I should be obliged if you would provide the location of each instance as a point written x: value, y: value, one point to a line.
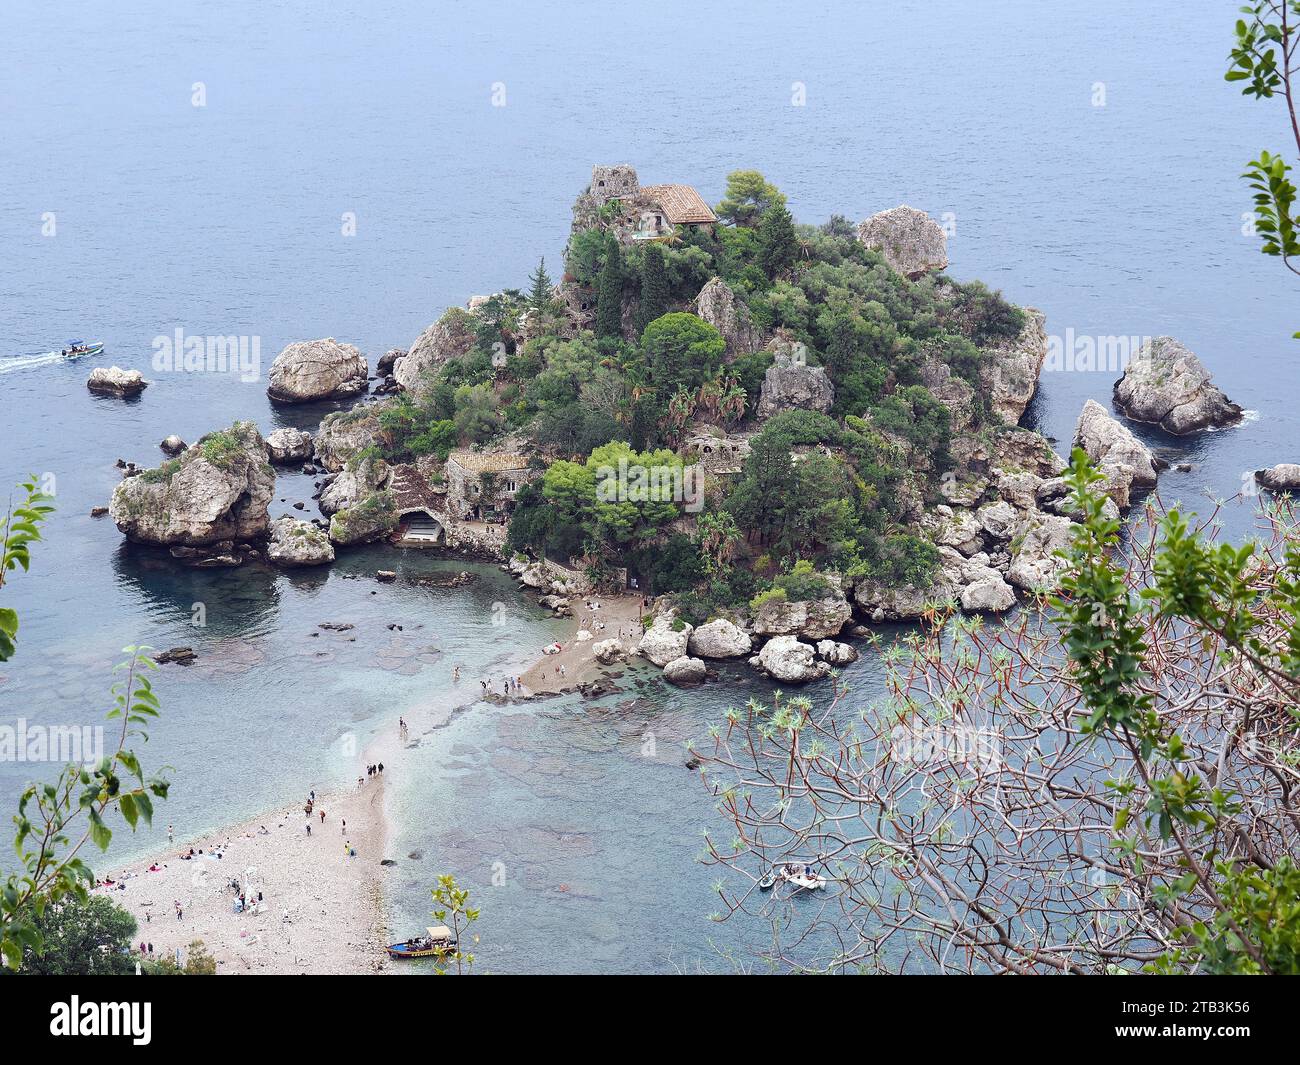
x: 748, y: 195
x: 654, y: 287
x: 539, y: 288
x: 777, y: 244
x: 609, y: 292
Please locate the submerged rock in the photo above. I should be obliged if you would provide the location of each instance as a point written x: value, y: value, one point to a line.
x: 115, y: 381
x: 298, y: 543
x: 219, y: 489
x: 911, y: 241
x: 1120, y: 456
x: 310, y: 370
x: 1168, y: 386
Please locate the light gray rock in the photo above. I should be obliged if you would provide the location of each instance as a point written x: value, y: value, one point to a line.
x: 1118, y: 455
x: 662, y: 641
x: 1034, y: 564
x: 791, y: 384
x: 985, y: 591
x: 298, y: 543
x: 342, y: 434
x: 173, y: 445
x: 115, y: 381
x: 309, y: 370
x: 719, y: 638
x: 718, y: 305
x: 998, y: 519
x: 1167, y: 385
x: 290, y: 446
x: 685, y: 670
x: 1009, y: 371
x: 908, y: 602
x: 815, y: 619
x: 836, y: 653
x: 217, y: 490
x: 1284, y: 477
x: 911, y: 241
x: 956, y: 528
x: 450, y: 337
x: 371, y: 519
x: 355, y: 482
x: 608, y: 652
x: 784, y: 658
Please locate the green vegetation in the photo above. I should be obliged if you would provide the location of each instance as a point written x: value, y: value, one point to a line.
x: 82, y: 937
x: 451, y: 907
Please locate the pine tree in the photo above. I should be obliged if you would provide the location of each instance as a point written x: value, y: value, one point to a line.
x: 539, y: 287
x: 654, y: 287
x: 609, y: 293
x: 777, y: 244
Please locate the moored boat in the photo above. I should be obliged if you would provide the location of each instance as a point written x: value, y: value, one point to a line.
x: 437, y: 942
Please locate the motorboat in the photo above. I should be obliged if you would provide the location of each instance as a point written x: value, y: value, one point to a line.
x: 77, y: 348
x: 436, y: 943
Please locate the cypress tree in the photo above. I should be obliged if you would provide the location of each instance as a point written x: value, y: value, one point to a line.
x: 539, y: 287
x: 654, y: 287
x: 777, y: 244
x: 609, y: 293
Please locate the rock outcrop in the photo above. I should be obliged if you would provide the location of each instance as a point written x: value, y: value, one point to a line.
x: 289, y: 447
x: 172, y: 445
x: 1034, y: 564
x: 791, y: 384
x: 718, y: 305
x: 1284, y: 477
x: 1009, y: 371
x: 608, y: 652
x: 815, y: 619
x: 1119, y: 455
x: 357, y: 481
x: 371, y: 519
x: 786, y: 659
x: 836, y: 653
x: 450, y: 337
x: 344, y: 433
x: 666, y: 639
x: 911, y: 241
x: 685, y: 670
x: 1168, y: 386
x: 719, y: 638
x: 298, y: 543
x: 309, y: 370
x: 218, y: 490
x: 115, y: 381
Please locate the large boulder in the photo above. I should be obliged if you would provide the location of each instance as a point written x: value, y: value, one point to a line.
x: 310, y: 370
x: 1009, y: 370
x: 1168, y: 386
x: 685, y: 670
x: 298, y: 543
x: 344, y: 433
x: 450, y: 337
x: 786, y: 659
x: 115, y: 381
x: 791, y: 384
x: 1034, y: 561
x: 718, y: 305
x: 666, y: 639
x: 997, y: 520
x: 608, y: 652
x: 984, y: 590
x: 358, y: 480
x: 719, y: 638
x: 288, y: 447
x: 956, y: 528
x: 911, y: 241
x: 836, y: 653
x: 814, y: 619
x: 1118, y: 455
x: 1284, y: 477
x: 371, y: 519
x: 881, y: 602
x: 218, y: 489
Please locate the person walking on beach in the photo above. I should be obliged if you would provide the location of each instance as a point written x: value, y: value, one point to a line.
x: 309, y: 828
x: 171, y: 837
x: 343, y: 828
x: 322, y: 817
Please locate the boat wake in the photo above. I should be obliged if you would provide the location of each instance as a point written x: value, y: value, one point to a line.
x: 28, y: 362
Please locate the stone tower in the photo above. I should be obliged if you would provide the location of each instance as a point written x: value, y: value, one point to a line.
x: 613, y: 182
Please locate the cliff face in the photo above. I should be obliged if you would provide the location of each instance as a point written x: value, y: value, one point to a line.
x: 218, y: 489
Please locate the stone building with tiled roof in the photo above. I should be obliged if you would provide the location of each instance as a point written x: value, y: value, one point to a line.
x: 482, y: 485
x: 641, y: 212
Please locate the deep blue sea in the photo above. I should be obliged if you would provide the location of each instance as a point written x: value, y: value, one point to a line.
x: 1088, y: 155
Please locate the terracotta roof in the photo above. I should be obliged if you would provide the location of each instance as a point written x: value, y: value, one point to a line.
x: 489, y: 461
x: 680, y: 203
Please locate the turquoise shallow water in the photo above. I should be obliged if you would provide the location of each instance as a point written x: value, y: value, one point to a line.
x: 1115, y: 220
